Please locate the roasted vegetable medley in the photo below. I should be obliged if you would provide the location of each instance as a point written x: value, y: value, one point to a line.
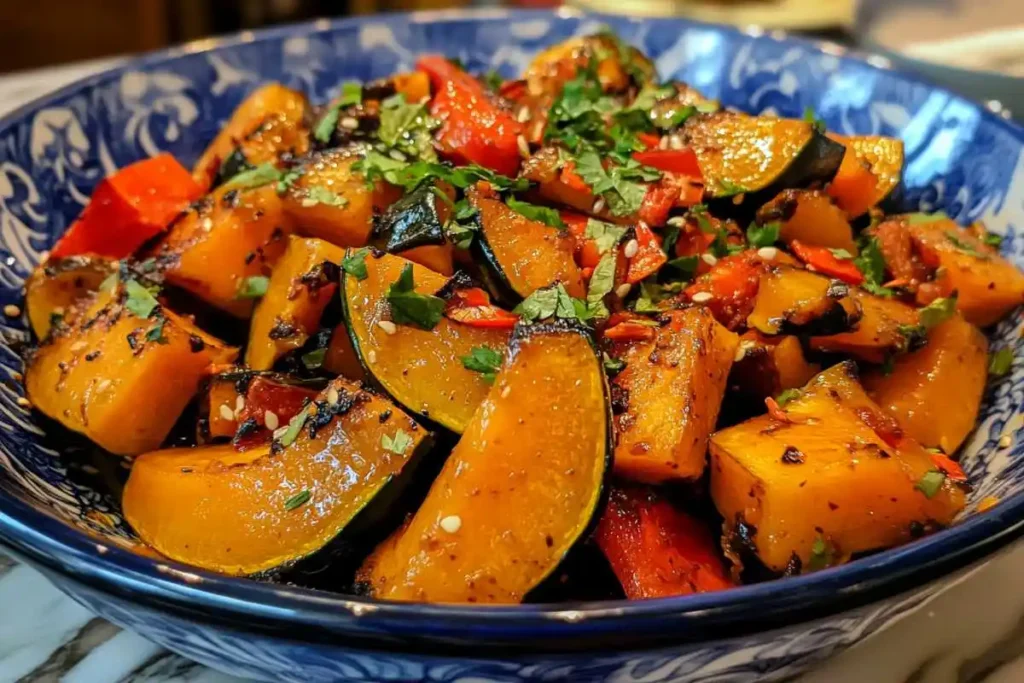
x: 455, y: 338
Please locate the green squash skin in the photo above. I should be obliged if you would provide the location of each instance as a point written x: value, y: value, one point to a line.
x: 491, y: 271
x: 410, y: 222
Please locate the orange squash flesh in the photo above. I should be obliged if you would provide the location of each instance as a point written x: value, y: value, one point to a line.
x: 675, y: 384
x: 491, y: 528
x: 266, y: 125
x: 918, y: 390
x: 221, y: 241
x: 421, y: 369
x: 341, y: 358
x: 332, y: 202
x: 123, y: 395
x: 988, y: 286
x: 810, y: 217
x: 769, y: 365
x: 221, y: 392
x: 528, y: 255
x: 871, y: 169
x: 55, y: 285
x: 824, y: 476
x: 235, y: 513
x: 879, y: 332
x: 791, y: 300
x: 300, y: 288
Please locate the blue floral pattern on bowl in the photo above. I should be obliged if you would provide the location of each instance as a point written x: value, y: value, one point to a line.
x: 960, y: 159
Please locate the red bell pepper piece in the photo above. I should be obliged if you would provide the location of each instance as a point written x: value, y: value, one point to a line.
x: 682, y: 162
x: 658, y: 201
x: 473, y: 128
x: 473, y: 307
x: 576, y: 224
x: 649, y: 140
x: 732, y: 284
x: 649, y: 255
x: 950, y: 467
x: 823, y: 261
x: 656, y: 550
x: 883, y: 424
x: 266, y: 396
x: 627, y: 331
x: 570, y: 177
x: 129, y: 208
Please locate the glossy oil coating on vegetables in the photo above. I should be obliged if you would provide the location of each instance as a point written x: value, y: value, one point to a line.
x: 448, y: 337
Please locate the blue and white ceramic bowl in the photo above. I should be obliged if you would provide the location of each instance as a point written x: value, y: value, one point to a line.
x: 54, y: 514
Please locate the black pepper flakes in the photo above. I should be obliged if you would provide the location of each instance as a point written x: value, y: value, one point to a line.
x: 384, y: 416
x: 792, y: 456
x: 196, y: 343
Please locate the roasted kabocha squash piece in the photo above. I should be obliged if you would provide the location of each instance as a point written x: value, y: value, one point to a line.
x: 759, y: 156
x: 521, y: 255
x: 917, y: 390
x: 338, y: 463
x: 657, y: 550
x: 886, y: 327
x: 810, y: 217
x: 413, y: 227
x: 221, y: 242
x: 121, y: 369
x: 303, y: 282
x: 826, y: 475
x: 341, y: 358
x: 669, y: 395
x: 795, y: 301
x: 492, y: 528
x: 767, y: 365
x: 616, y: 68
x: 331, y: 201
x: 987, y: 285
x: 56, y: 284
x: 268, y: 127
x: 870, y: 172
x: 422, y: 369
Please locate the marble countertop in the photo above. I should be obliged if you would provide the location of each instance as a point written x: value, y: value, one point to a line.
x: 973, y: 633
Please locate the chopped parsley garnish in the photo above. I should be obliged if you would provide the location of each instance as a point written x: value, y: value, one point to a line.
x: 822, y: 554
x: 288, y: 179
x: 541, y: 214
x: 930, y: 483
x: 613, y: 366
x: 294, y: 427
x: 1000, y: 362
x: 651, y: 294
x: 699, y: 213
x: 462, y: 226
x: 493, y: 80
x: 351, y: 94
x: 620, y: 185
x: 871, y: 263
x: 721, y: 247
x: 264, y: 174
x: 601, y: 284
x: 410, y: 176
x: 963, y: 246
x: 669, y: 238
x: 156, y: 333
x: 398, y: 443
x: 812, y: 118
x: 937, y: 312
x: 917, y: 218
x: 993, y: 240
x: 409, y: 307
x: 485, y: 360
x: 788, y: 396
x: 686, y: 266
x: 298, y: 500
x: 605, y: 235
x: 727, y: 188
x: 314, y: 360
x: 354, y: 263
x: 253, y: 287
x: 763, y: 235
x: 888, y: 364
x: 407, y: 128
x: 551, y: 302
x: 141, y: 300
x: 321, y: 195
x: 626, y: 56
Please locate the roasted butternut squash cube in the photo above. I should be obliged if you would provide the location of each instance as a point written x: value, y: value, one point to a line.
x: 119, y: 379
x: 56, y: 284
x: 988, y: 286
x: 827, y: 481
x: 222, y: 241
x: 919, y: 391
x: 672, y: 388
x: 792, y: 300
x: 810, y: 217
x: 300, y: 287
x: 885, y: 328
x: 267, y: 126
x: 331, y: 201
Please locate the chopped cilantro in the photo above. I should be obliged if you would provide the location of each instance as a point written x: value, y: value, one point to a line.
x: 917, y: 218
x: 462, y: 226
x: 298, y: 500
x: 763, y: 235
x: 253, y: 287
x: 550, y: 302
x: 288, y: 179
x: 399, y: 443
x: 812, y: 118
x: 669, y: 238
x: 788, y: 396
x: 493, y: 80
x: 354, y: 263
x: 1000, y: 362
x: 651, y: 294
x: 699, y: 212
x: 930, y: 483
x: 888, y: 364
x: 727, y: 188
x: 937, y: 312
x: 602, y: 282
x: 264, y: 174
x: 685, y: 265
x: 721, y: 247
x: 351, y: 94
x: 294, y: 427
x: 605, y: 235
x: 871, y: 263
x: 541, y: 214
x: 613, y: 366
x: 407, y: 128
x: 617, y: 184
x: 674, y: 118
x: 141, y: 300
x: 409, y: 176
x: 409, y: 307
x: 822, y: 554
x: 156, y: 333
x: 993, y: 240
x: 484, y: 360
x: 963, y: 246
x: 321, y: 195
x: 314, y: 360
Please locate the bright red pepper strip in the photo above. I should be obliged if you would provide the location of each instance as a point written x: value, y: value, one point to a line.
x: 473, y: 307
x: 473, y: 129
x: 825, y: 262
x: 649, y: 256
x: 130, y: 207
x: 950, y: 467
x: 265, y: 396
x: 629, y: 331
x: 658, y: 201
x: 681, y: 162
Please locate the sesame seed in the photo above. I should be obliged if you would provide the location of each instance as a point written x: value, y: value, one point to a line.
x: 506, y: 391
x: 677, y: 221
x: 675, y: 142
x: 768, y: 253
x: 524, y: 146
x: 1005, y: 441
x: 388, y: 326
x: 239, y: 403
x: 271, y: 420
x: 207, y: 224
x: 701, y: 297
x: 78, y: 346
x: 396, y: 155
x: 524, y: 114
x: 226, y: 412
x: 598, y: 205
x: 632, y: 246
x: 663, y: 143
x: 709, y: 259
x: 741, y: 350
x: 332, y: 396
x: 451, y: 523
x: 12, y: 311
x: 623, y: 290
x: 102, y: 386
x: 24, y: 402
x: 349, y: 122
x: 372, y: 356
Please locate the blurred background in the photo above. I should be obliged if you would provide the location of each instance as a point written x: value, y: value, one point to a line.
x: 985, y: 37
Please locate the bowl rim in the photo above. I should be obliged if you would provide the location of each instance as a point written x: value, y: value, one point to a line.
x: 436, y: 629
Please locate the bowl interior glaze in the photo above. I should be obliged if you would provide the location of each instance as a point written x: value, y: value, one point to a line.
x: 59, y: 514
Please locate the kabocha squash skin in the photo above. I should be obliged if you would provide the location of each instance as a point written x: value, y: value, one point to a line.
x: 470, y: 540
x: 420, y: 369
x: 56, y: 284
x: 879, y: 333
x: 244, y: 513
x: 413, y: 227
